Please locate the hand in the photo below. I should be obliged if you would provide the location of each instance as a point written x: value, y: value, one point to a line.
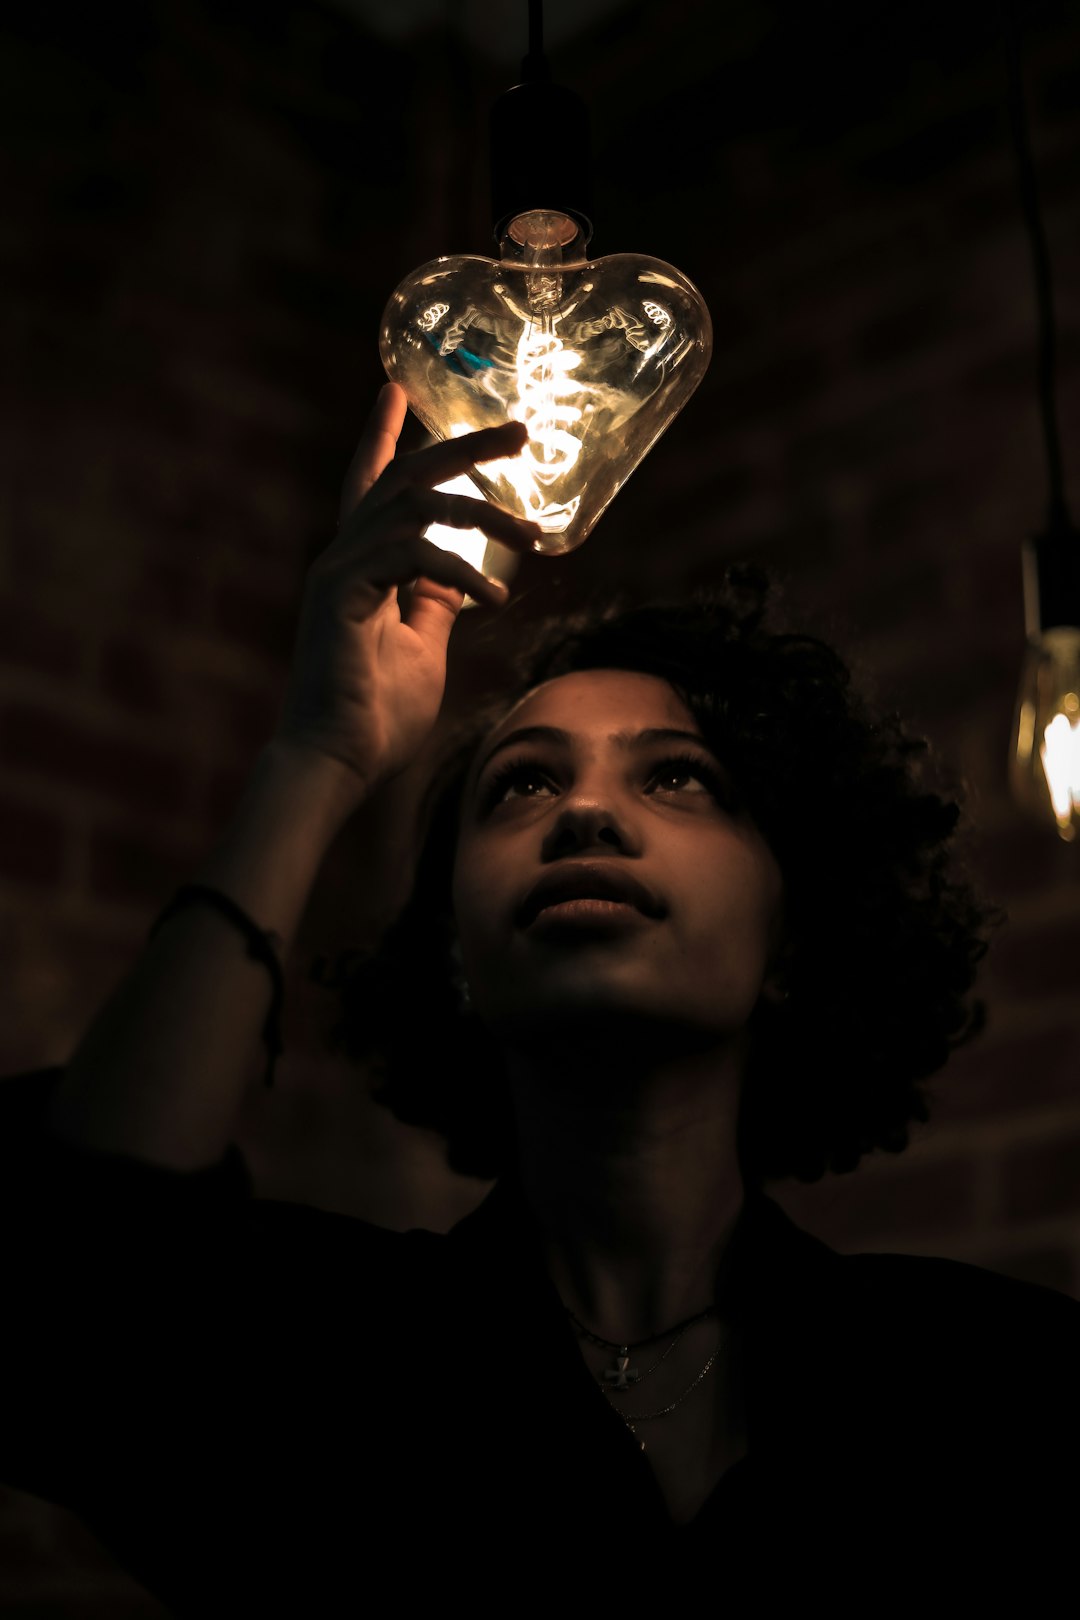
x: 369, y: 669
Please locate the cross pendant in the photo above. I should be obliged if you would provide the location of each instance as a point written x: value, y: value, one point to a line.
x: 622, y: 1375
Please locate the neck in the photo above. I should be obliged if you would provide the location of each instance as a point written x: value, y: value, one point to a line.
x: 630, y: 1168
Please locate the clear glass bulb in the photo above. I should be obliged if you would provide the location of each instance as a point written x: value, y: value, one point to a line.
x: 597, y: 358
x: 478, y: 549
x: 1045, y: 763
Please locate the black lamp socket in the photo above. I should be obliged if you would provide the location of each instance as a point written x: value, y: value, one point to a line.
x: 1051, y: 568
x: 540, y: 155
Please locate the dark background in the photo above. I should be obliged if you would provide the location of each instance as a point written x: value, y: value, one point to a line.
x: 205, y: 208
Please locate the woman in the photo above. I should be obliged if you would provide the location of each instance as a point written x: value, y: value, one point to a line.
x: 684, y: 922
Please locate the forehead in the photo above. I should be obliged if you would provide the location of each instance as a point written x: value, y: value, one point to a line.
x: 595, y: 702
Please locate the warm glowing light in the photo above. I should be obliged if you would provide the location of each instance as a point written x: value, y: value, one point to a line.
x: 1045, y: 767
x: 596, y: 358
x: 552, y: 404
x: 429, y: 320
x: 1060, y: 755
x: 477, y: 548
x: 468, y: 543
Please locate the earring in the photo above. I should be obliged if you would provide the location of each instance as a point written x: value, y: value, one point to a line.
x: 778, y: 990
x: 457, y: 974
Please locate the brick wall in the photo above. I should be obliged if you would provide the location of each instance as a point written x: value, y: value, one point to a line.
x: 204, y: 212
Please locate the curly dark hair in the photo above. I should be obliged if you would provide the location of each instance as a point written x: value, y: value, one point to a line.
x: 887, y: 924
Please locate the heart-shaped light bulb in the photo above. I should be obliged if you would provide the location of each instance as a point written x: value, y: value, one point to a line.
x: 597, y: 358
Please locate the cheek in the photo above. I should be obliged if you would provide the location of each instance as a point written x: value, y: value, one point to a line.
x: 735, y: 907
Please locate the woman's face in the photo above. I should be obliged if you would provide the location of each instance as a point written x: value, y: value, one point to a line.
x: 602, y: 876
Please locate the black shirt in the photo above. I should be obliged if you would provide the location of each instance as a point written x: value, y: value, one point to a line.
x: 264, y: 1408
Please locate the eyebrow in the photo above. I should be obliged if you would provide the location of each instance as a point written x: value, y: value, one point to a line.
x: 564, y: 739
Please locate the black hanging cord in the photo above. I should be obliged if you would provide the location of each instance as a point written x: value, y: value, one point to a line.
x: 1058, y: 518
x: 524, y: 177
x: 535, y: 66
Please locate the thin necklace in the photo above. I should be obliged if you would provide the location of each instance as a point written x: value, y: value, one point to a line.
x: 631, y: 1419
x: 621, y: 1375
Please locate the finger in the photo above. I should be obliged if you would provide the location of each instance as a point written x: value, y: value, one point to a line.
x: 376, y: 448
x: 416, y: 507
x: 416, y: 560
x: 432, y: 610
x: 451, y: 457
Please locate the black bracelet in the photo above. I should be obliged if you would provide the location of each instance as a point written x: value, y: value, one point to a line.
x: 263, y: 944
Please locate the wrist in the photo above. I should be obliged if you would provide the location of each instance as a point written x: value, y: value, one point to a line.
x: 328, y: 785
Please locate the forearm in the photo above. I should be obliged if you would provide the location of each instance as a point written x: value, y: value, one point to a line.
x: 162, y: 1071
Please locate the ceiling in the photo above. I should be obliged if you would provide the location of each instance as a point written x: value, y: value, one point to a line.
x: 497, y: 29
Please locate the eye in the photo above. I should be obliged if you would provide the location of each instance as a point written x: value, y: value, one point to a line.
x: 686, y: 774
x: 517, y: 779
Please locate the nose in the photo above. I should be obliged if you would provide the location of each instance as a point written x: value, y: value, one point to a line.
x: 588, y: 821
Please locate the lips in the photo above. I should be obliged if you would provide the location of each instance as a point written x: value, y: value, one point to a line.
x: 581, y: 881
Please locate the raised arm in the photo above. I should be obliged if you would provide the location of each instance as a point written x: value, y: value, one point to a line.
x: 162, y: 1070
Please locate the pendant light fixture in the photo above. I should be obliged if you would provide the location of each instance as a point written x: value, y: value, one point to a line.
x: 596, y: 357
x: 1044, y: 763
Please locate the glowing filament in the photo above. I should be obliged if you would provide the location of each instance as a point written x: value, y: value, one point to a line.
x: 543, y: 378
x: 1060, y: 755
